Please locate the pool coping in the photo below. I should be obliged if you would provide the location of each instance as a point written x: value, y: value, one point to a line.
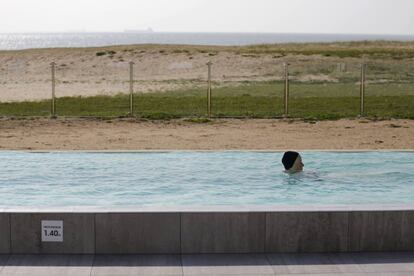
x: 212, y: 151
x: 213, y: 209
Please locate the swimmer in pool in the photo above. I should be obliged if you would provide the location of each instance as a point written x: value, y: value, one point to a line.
x: 292, y: 161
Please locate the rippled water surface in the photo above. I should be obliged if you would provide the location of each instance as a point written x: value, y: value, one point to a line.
x: 200, y: 178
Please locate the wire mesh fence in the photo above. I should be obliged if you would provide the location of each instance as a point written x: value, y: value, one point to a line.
x: 20, y: 80
x: 324, y: 89
x: 390, y: 89
x: 310, y: 89
x: 79, y: 94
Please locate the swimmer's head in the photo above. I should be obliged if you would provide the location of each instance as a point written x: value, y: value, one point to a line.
x: 292, y: 161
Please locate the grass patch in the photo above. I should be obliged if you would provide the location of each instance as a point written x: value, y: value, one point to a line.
x: 313, y: 101
x: 372, y: 49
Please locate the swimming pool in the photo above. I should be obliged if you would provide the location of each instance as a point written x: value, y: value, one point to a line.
x: 203, y: 178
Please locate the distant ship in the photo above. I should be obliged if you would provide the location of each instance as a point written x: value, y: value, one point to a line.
x: 149, y: 30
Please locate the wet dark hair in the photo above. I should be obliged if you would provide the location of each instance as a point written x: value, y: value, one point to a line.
x: 289, y: 159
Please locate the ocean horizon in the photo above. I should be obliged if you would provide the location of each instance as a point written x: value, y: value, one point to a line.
x: 20, y: 41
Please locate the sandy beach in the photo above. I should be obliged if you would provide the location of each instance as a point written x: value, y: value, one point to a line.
x: 223, y: 134
x: 26, y: 74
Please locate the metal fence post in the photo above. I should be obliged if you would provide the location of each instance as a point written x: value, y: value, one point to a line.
x: 362, y: 89
x: 286, y: 97
x: 53, y: 102
x: 131, y: 88
x: 209, y: 64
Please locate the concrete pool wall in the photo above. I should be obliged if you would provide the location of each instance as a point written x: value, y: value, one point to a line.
x: 212, y: 230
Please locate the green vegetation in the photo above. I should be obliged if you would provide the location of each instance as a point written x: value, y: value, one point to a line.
x: 369, y: 49
x: 312, y: 100
x: 378, y: 50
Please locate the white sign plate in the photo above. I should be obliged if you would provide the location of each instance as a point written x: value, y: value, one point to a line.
x: 52, y: 230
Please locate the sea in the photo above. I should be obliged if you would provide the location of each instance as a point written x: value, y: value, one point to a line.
x: 19, y: 41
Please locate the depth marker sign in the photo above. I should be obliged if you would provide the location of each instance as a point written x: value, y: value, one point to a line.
x: 52, y: 230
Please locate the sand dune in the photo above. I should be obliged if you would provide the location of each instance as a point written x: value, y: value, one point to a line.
x: 25, y: 75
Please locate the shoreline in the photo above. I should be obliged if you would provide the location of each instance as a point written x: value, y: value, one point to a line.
x: 213, y: 39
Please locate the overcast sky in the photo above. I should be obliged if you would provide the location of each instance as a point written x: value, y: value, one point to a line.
x: 280, y: 16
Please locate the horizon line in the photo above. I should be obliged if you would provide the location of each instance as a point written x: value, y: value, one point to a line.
x: 201, y: 32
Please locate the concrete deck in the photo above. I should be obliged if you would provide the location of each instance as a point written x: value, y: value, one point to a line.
x: 401, y: 263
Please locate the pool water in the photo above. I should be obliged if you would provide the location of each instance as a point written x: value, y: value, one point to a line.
x: 203, y: 178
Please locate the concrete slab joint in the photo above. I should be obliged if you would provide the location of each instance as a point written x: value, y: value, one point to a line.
x: 138, y: 233
x: 306, y: 232
x: 211, y: 232
x: 5, y: 242
x: 222, y: 232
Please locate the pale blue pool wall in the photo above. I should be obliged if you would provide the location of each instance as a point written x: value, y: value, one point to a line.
x: 211, y: 231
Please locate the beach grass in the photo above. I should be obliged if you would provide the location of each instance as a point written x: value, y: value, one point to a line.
x: 316, y: 100
x: 375, y: 50
x: 397, y: 50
